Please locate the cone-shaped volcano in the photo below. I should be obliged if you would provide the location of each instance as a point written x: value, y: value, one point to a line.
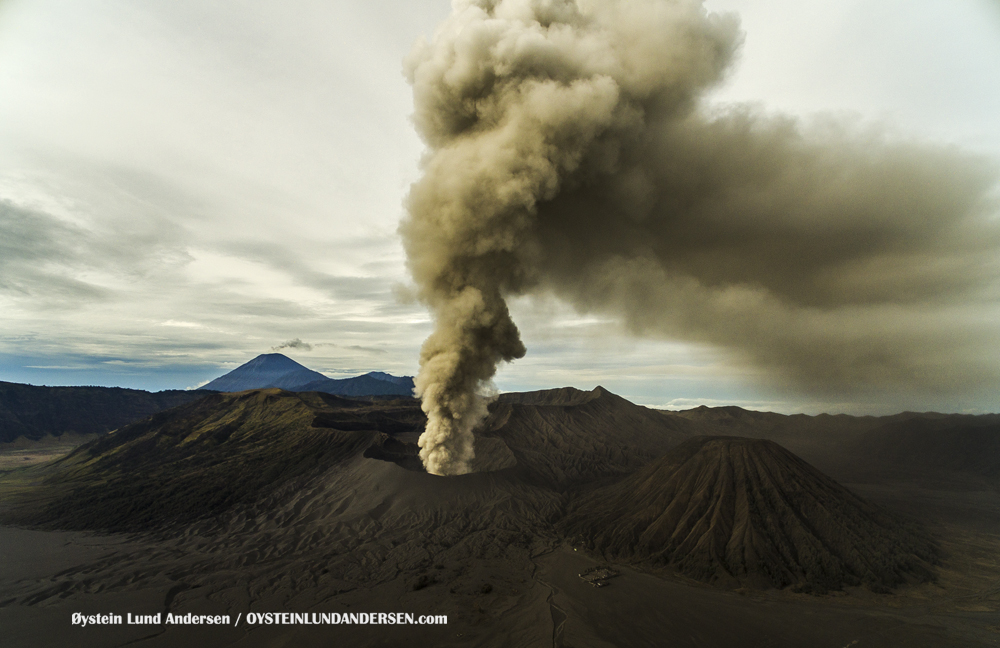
x: 730, y: 509
x: 264, y: 371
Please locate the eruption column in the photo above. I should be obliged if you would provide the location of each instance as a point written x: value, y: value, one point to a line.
x: 570, y: 151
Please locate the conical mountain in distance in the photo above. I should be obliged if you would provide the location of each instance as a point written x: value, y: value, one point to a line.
x: 733, y: 510
x: 277, y: 370
x: 266, y: 370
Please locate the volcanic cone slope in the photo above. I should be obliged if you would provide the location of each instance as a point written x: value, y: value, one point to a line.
x: 204, y: 458
x: 564, y: 437
x: 730, y: 509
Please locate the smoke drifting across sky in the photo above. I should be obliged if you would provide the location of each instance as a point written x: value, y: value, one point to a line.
x: 569, y: 153
x: 295, y: 343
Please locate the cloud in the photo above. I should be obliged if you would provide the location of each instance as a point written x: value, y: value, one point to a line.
x: 38, y: 255
x: 367, y: 349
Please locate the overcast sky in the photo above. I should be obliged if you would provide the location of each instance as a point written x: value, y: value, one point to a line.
x: 185, y: 185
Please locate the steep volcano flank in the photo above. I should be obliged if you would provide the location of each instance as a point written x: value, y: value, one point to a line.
x: 564, y: 437
x: 204, y: 458
x: 733, y: 510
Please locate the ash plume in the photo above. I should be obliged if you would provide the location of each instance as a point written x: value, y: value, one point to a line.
x: 570, y: 152
x: 293, y: 344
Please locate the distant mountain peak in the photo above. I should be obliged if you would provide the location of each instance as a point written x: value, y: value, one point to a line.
x: 396, y: 380
x: 278, y: 370
x: 274, y: 358
x: 275, y: 362
x: 266, y: 370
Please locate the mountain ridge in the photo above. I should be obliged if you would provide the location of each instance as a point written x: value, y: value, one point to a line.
x: 592, y: 468
x: 270, y: 370
x: 270, y: 499
x: 33, y: 412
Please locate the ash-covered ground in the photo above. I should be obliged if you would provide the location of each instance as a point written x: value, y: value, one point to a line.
x: 876, y: 531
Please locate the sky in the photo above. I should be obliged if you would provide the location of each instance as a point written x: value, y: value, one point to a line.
x: 186, y: 185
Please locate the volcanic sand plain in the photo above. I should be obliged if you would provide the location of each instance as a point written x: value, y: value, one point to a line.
x: 369, y: 535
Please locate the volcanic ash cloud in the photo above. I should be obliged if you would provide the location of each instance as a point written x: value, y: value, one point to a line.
x: 568, y: 153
